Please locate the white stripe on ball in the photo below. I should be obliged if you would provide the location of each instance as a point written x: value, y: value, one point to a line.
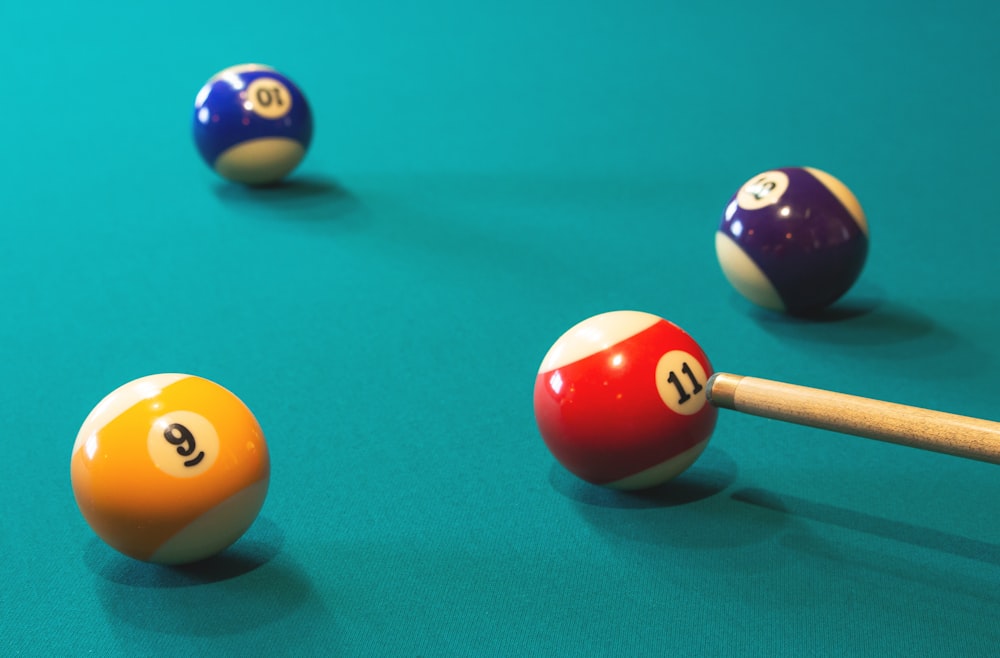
x: 120, y: 400
x: 594, y: 335
x: 744, y: 275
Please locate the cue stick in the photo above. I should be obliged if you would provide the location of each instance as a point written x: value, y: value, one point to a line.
x: 951, y: 434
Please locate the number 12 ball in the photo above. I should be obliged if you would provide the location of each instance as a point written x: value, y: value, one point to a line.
x: 170, y: 469
x: 252, y: 124
x: 620, y: 400
x: 793, y: 240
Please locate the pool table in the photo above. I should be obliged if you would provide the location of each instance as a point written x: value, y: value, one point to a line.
x: 483, y: 176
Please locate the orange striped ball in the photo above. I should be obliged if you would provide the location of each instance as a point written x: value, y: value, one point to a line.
x: 170, y: 468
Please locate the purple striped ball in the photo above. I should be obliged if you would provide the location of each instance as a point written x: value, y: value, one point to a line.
x: 793, y: 239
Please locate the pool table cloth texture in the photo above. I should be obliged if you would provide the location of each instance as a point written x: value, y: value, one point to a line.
x: 482, y: 177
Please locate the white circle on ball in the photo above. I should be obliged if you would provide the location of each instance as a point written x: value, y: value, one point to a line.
x: 680, y: 380
x: 762, y: 190
x: 183, y: 443
x: 268, y: 98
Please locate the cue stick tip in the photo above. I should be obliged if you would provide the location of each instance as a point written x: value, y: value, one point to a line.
x: 721, y: 390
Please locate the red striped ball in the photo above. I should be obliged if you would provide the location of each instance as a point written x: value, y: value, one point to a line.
x: 620, y: 400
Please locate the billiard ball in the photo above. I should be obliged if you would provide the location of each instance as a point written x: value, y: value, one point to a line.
x: 620, y: 400
x: 792, y: 239
x: 170, y: 468
x: 252, y: 124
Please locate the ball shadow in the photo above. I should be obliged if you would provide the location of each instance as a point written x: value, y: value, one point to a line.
x: 684, y: 513
x: 885, y: 334
x: 261, y: 543
x: 848, y: 309
x: 246, y: 586
x: 856, y: 322
x: 308, y: 198
x: 711, y: 474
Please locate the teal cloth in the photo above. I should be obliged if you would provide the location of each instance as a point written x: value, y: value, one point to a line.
x: 483, y: 176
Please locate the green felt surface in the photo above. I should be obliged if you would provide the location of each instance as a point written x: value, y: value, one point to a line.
x: 483, y: 176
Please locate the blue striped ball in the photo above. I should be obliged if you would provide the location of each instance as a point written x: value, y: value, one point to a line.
x: 252, y: 124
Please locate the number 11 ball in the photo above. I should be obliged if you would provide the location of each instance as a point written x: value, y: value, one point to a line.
x: 252, y: 124
x: 793, y: 240
x: 170, y: 469
x: 620, y: 400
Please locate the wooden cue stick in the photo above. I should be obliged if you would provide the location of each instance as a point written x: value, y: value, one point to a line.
x: 874, y: 419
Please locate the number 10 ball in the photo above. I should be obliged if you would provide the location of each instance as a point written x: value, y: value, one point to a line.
x: 620, y: 400
x: 170, y: 469
x: 252, y: 124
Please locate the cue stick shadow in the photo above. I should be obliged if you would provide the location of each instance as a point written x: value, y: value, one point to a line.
x: 935, y: 540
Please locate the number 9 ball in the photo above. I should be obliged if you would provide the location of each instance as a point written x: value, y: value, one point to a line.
x: 252, y: 124
x: 170, y: 469
x: 620, y: 400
